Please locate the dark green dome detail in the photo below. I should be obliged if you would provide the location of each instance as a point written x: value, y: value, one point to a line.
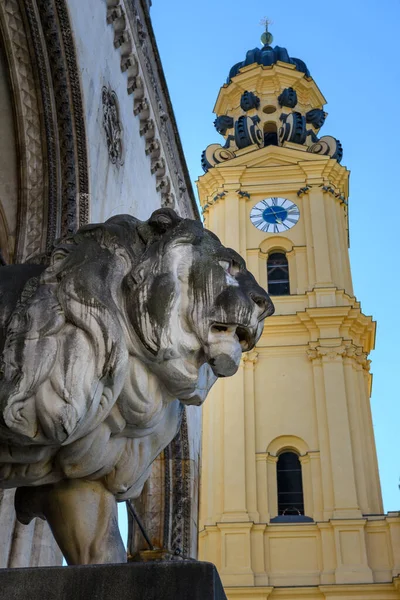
x: 268, y: 56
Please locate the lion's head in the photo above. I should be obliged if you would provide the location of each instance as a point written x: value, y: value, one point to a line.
x: 191, y: 301
x: 165, y: 293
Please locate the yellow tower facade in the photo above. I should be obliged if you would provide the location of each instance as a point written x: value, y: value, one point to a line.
x: 290, y: 501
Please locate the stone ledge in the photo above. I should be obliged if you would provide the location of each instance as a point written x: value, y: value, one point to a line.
x: 134, y: 581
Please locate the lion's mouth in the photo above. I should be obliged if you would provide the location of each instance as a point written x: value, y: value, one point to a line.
x: 225, y: 346
x: 241, y: 333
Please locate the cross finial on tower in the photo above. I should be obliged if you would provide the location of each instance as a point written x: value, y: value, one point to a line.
x: 267, y: 38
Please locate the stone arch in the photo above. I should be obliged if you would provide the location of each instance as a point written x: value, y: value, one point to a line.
x: 275, y: 244
x: 288, y: 442
x: 54, y: 184
x: 60, y: 81
x: 9, y: 176
x: 52, y: 197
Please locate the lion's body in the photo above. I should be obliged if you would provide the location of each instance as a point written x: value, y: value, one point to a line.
x: 61, y: 396
x: 100, y: 350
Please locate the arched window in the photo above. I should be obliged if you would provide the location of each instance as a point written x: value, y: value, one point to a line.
x: 290, y: 485
x: 270, y: 134
x: 278, y: 274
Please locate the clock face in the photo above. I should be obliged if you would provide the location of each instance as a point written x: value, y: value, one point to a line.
x: 274, y: 215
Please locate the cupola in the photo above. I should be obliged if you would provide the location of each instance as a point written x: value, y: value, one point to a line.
x: 269, y: 99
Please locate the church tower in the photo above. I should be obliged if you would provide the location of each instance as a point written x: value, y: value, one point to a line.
x: 290, y: 501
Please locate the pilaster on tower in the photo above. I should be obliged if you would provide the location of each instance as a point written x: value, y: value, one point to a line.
x: 290, y: 490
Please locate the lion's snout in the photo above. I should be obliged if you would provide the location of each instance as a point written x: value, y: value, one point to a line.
x: 223, y: 365
x: 227, y: 341
x: 225, y: 348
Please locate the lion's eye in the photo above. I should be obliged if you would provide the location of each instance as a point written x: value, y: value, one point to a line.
x: 224, y: 264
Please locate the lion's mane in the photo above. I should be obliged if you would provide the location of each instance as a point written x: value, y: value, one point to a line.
x: 66, y: 351
x: 105, y: 344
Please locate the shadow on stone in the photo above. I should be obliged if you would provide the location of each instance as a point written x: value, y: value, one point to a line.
x: 135, y: 581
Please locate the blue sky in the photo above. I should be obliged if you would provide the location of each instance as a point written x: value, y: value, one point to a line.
x: 351, y: 50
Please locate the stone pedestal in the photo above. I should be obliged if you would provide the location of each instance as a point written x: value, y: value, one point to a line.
x: 135, y: 581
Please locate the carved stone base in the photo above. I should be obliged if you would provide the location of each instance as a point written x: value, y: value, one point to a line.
x: 150, y: 581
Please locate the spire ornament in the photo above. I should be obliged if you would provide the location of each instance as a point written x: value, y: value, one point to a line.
x: 267, y: 38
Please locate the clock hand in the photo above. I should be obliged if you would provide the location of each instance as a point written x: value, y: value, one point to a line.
x: 277, y: 219
x: 274, y: 213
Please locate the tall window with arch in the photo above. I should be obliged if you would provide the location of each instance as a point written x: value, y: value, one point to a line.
x: 278, y: 274
x: 290, y: 484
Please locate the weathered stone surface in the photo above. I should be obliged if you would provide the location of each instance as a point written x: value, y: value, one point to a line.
x: 55, y: 172
x: 154, y: 581
x: 8, y: 161
x: 101, y: 349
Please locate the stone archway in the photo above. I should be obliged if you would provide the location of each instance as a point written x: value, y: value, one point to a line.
x: 9, y: 172
x: 29, y: 139
x: 51, y: 195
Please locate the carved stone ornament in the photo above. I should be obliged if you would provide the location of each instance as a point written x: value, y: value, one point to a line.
x: 213, y: 155
x: 54, y: 190
x: 328, y: 146
x: 112, y: 125
x: 137, y: 61
x: 250, y: 358
x: 336, y: 353
x: 100, y: 351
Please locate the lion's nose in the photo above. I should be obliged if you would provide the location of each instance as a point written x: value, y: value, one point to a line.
x: 264, y: 303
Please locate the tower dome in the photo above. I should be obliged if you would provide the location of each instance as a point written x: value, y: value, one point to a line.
x: 260, y: 107
x: 267, y: 56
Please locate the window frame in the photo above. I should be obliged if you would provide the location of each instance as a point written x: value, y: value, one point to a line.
x: 296, y: 505
x: 283, y: 281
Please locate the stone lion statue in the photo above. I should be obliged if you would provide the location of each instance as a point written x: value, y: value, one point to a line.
x: 99, y: 352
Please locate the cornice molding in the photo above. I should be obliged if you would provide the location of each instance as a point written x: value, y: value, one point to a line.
x: 213, y: 200
x: 276, y: 170
x: 348, y: 323
x: 130, y: 64
x: 133, y: 38
x: 324, y: 188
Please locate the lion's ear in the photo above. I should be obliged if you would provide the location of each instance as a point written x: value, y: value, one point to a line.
x: 163, y: 219
x: 160, y: 222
